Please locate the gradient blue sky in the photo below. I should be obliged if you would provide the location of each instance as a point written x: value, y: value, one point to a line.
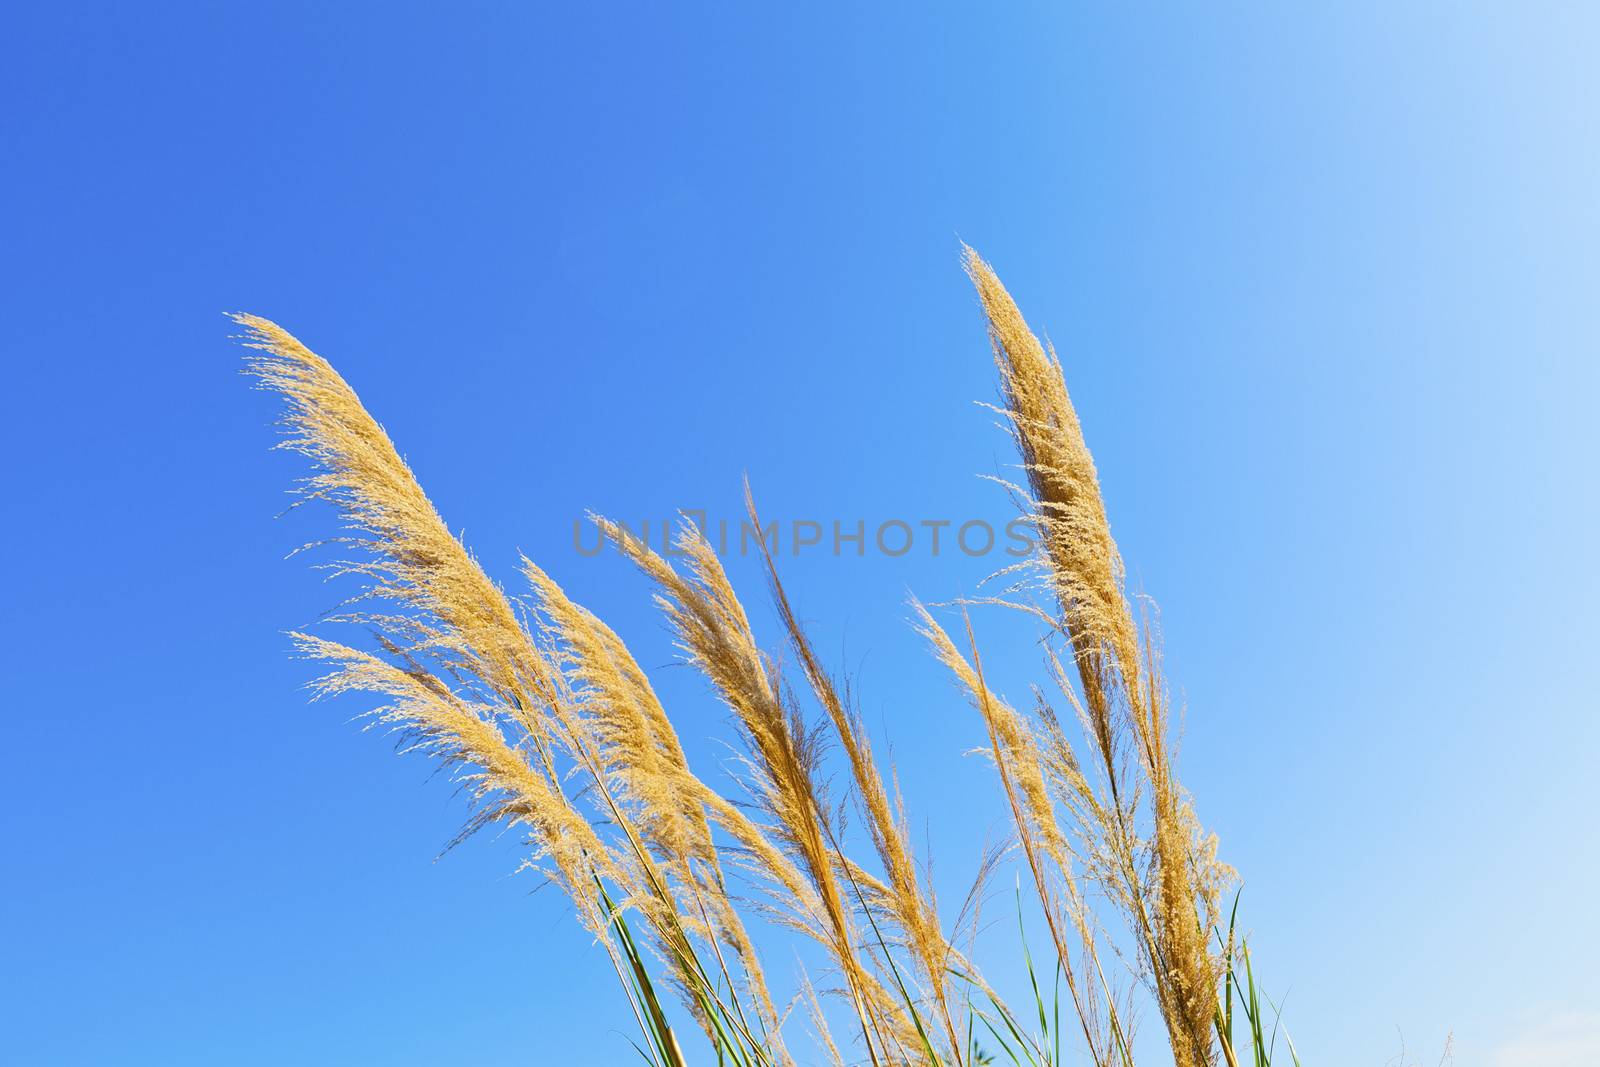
x: 1324, y: 284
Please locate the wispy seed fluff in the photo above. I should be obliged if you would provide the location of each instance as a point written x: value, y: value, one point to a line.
x: 1123, y: 701
x: 552, y: 728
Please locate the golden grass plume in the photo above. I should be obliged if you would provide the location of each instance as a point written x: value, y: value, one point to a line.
x: 552, y: 727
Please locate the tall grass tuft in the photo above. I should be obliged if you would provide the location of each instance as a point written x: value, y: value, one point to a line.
x: 551, y: 726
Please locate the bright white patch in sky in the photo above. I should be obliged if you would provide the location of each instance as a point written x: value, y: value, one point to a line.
x: 1557, y: 1038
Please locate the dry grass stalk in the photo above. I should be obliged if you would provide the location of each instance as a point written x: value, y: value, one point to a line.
x: 1123, y: 700
x: 1020, y: 766
x: 715, y: 632
x: 642, y: 761
x: 552, y: 726
x: 908, y: 901
x: 480, y: 692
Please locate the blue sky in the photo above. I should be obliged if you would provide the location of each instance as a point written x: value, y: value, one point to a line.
x: 1323, y: 283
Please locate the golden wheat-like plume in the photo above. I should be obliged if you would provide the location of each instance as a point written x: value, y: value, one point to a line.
x: 441, y: 607
x: 551, y: 726
x: 1115, y: 664
x: 907, y: 901
x: 476, y: 689
x: 1021, y: 768
x: 415, y: 562
x: 644, y: 762
x: 715, y: 632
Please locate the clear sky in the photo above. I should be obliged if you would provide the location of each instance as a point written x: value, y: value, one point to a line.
x: 1325, y: 288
